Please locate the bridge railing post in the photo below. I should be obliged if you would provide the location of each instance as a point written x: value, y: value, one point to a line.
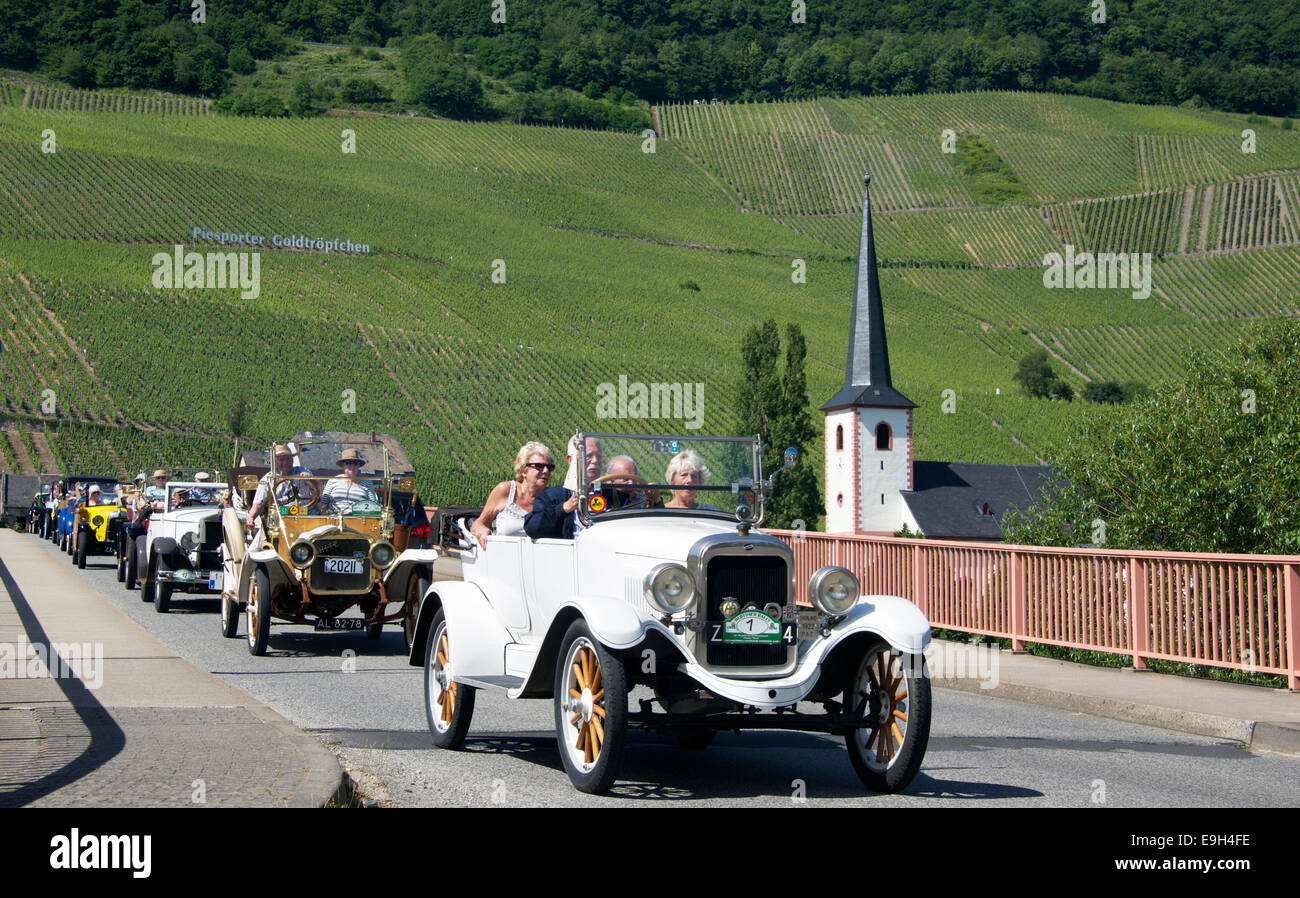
x: 1019, y: 602
x: 1292, y: 599
x: 1138, y: 599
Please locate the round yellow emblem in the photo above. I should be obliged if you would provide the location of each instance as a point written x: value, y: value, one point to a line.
x: 596, y: 504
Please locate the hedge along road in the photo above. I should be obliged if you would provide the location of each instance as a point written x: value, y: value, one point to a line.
x: 369, y: 708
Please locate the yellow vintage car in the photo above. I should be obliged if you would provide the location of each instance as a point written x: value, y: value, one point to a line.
x: 333, y: 515
x: 95, y: 521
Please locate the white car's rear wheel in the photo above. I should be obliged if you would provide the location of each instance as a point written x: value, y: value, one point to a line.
x: 887, y: 750
x: 447, y: 704
x: 590, y: 710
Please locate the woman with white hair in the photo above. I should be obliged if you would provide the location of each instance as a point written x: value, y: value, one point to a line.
x: 511, y: 500
x: 686, y: 469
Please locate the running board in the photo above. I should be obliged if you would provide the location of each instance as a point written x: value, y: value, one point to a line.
x: 498, y: 684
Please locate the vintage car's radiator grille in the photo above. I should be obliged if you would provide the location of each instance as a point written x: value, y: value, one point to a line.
x: 340, y: 548
x: 212, y: 537
x: 758, y: 579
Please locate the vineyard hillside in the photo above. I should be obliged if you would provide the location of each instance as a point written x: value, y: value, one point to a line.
x: 501, y: 275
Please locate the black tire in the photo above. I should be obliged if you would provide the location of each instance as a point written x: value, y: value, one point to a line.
x: 121, y: 558
x: 892, y: 764
x: 449, y: 707
x: 592, y: 766
x: 132, y: 563
x: 162, y: 598
x: 149, y: 587
x: 410, y: 613
x: 259, y: 612
x: 229, y: 617
x: 83, y: 544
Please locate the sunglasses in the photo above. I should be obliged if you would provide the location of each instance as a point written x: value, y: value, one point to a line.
x: 539, y: 466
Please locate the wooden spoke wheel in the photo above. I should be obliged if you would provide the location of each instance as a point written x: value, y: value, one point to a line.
x: 590, y: 710
x: 259, y: 612
x: 448, y: 705
x: 229, y: 617
x: 887, y: 750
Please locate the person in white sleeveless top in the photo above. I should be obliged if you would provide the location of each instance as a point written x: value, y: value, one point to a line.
x: 511, y: 500
x: 346, y: 489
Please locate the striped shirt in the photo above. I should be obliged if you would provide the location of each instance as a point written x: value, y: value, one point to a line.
x: 344, y: 492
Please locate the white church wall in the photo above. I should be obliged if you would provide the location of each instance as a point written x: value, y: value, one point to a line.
x: 883, y: 473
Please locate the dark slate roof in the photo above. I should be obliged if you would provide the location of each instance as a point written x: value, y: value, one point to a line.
x: 868, y: 359
x: 949, y: 496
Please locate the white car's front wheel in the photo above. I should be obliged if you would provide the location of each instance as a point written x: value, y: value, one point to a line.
x: 894, y: 688
x: 448, y: 705
x: 590, y: 710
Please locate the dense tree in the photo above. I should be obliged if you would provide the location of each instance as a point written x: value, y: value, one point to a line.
x: 772, y: 403
x: 1231, y: 54
x: 1208, y: 464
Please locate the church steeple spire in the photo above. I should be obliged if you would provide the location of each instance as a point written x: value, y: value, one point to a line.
x: 867, y: 380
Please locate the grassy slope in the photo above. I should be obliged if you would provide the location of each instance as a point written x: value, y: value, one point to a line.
x: 596, y: 237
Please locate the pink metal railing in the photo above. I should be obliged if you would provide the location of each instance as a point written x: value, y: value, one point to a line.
x: 1235, y: 611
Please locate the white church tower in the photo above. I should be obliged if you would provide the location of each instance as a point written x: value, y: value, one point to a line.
x: 868, y: 422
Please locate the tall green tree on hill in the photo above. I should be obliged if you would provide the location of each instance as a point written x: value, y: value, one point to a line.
x: 772, y: 404
x: 1206, y: 465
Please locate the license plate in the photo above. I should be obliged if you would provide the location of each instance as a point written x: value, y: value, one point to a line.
x: 720, y: 634
x: 340, y: 623
x: 345, y: 565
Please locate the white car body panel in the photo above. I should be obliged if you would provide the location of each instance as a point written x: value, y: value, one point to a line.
x: 515, y: 587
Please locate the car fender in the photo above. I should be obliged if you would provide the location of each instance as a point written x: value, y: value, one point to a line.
x: 277, y: 571
x: 613, y: 621
x: 896, y: 620
x: 411, y: 563
x: 479, y: 636
x: 169, y: 554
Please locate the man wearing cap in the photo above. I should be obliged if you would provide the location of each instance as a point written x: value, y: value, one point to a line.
x: 346, y: 489
x: 94, y: 495
x: 201, y: 494
x: 287, y: 491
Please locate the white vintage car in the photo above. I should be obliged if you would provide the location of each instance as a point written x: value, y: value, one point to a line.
x: 181, y: 550
x: 668, y: 612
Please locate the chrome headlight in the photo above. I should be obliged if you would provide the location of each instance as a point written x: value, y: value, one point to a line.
x: 382, y: 554
x: 669, y: 587
x: 301, y: 554
x: 833, y: 590
x: 189, y: 542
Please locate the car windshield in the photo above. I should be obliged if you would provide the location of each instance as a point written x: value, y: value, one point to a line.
x: 192, y: 494
x: 363, y: 496
x: 622, y: 475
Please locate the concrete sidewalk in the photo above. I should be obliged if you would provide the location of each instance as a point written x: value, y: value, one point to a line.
x: 130, y: 724
x: 1261, y: 718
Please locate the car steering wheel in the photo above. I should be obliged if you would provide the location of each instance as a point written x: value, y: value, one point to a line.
x: 649, y: 498
x: 296, y: 498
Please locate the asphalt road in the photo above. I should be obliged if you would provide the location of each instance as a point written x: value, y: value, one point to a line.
x: 363, y: 700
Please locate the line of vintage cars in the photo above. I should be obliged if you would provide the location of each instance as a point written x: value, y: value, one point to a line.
x: 677, y: 617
